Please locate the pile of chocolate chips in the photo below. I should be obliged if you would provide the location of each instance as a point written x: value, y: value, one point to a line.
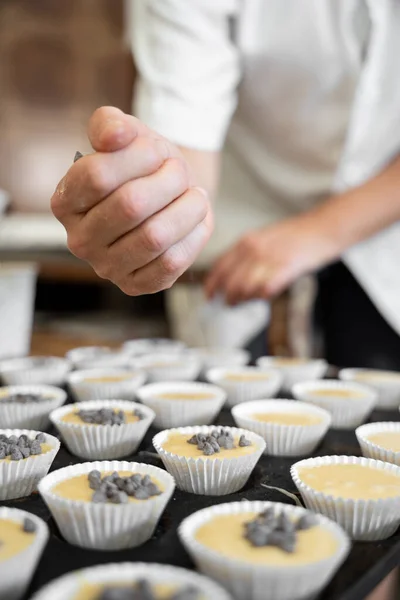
x: 29, y: 526
x: 24, y: 398
x: 143, y: 591
x: 20, y: 447
x: 271, y: 529
x: 107, y: 416
x: 116, y: 489
x: 219, y: 438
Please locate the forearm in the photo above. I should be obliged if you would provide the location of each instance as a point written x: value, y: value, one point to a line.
x: 357, y: 214
x: 205, y: 166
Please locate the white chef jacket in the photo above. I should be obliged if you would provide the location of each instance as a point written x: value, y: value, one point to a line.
x: 302, y: 95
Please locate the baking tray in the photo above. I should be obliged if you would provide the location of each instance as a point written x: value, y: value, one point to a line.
x: 366, y: 566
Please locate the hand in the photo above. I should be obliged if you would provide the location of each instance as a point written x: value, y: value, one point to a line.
x: 266, y: 261
x: 132, y: 208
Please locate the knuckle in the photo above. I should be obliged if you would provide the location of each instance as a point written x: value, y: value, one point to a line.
x: 103, y: 270
x: 180, y: 172
x: 173, y: 263
x: 79, y: 246
x: 95, y: 175
x: 131, y: 203
x: 154, y: 236
x: 152, y: 152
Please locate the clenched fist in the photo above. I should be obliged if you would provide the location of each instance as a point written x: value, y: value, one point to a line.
x: 132, y: 208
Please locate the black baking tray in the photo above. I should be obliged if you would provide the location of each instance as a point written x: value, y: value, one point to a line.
x: 366, y: 566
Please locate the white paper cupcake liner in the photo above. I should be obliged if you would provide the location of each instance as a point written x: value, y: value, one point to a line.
x: 153, y: 345
x: 67, y: 587
x: 292, y: 374
x: 388, y: 391
x: 78, y: 355
x: 257, y: 582
x: 244, y: 391
x: 88, y: 390
x: 284, y: 440
x: 219, y: 357
x: 366, y: 520
x: 19, y: 478
x: 30, y: 415
x: 26, y: 371
x: 209, y: 476
x: 373, y: 450
x: 347, y: 413
x: 102, y: 442
x: 105, y: 526
x: 16, y: 572
x: 179, y: 413
x: 167, y: 367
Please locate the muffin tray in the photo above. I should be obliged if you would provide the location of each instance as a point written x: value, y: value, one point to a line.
x: 366, y: 566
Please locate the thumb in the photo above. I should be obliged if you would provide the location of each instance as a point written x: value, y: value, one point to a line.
x: 111, y: 129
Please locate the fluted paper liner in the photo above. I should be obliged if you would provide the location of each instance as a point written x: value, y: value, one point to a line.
x: 91, y: 390
x: 284, y: 440
x: 366, y: 520
x: 30, y: 415
x: 16, y: 572
x: 68, y: 586
x: 388, y: 390
x: 295, y: 373
x: 209, y: 476
x: 347, y: 413
x: 256, y: 582
x: 106, y: 526
x: 179, y: 413
x: 371, y: 449
x: 244, y: 391
x: 102, y: 442
x: 19, y: 478
x: 23, y: 371
x: 167, y: 367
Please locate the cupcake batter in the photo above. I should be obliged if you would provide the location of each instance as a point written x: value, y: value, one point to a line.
x: 92, y: 591
x: 185, y: 396
x: 177, y: 443
x: 224, y: 534
x: 108, y: 379
x: 289, y: 362
x: 351, y: 481
x: 390, y: 440
x: 13, y: 538
x: 378, y: 376
x: 336, y: 393
x: 74, y: 418
x: 77, y: 488
x: 287, y: 418
x: 246, y: 377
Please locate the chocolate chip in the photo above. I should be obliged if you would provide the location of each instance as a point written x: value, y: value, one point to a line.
x: 41, y: 438
x: 2, y: 452
x: 285, y: 524
x: 36, y: 448
x: 25, y: 451
x: 13, y: 439
x: 29, y: 526
x: 99, y: 496
x: 77, y: 156
x: 139, y: 414
x: 208, y: 449
x: 307, y: 521
x: 16, y: 453
x: 153, y: 489
x: 141, y: 494
x: 243, y: 441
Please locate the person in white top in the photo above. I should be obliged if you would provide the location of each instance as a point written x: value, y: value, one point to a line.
x: 303, y: 96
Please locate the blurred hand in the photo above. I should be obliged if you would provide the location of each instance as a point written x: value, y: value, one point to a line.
x: 132, y: 208
x: 266, y: 261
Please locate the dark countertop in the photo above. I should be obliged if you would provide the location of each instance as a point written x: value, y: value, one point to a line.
x: 366, y: 566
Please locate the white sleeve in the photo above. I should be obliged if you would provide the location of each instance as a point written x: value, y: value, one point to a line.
x: 188, y: 69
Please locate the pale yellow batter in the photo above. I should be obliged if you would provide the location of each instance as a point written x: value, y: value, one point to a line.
x: 288, y: 362
x: 244, y: 377
x: 77, y: 488
x: 75, y: 419
x: 378, y: 377
x: 351, y: 481
x: 336, y: 393
x: 287, y: 418
x: 390, y: 440
x: 176, y: 443
x: 185, y: 396
x: 224, y: 534
x: 108, y: 379
x: 45, y: 448
x: 13, y: 539
x: 91, y: 591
